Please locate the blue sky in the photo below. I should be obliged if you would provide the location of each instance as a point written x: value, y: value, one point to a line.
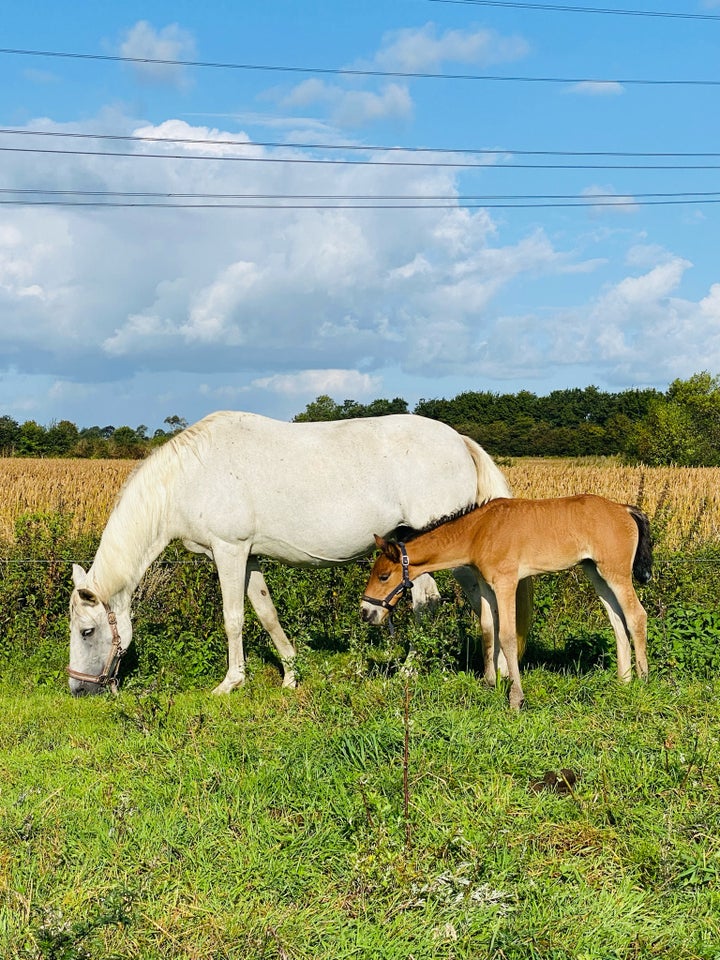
x: 123, y: 314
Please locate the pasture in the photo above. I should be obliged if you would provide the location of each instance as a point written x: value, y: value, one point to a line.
x: 364, y: 815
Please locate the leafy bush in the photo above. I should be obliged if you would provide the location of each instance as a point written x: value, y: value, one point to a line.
x: 178, y: 624
x: 687, y: 639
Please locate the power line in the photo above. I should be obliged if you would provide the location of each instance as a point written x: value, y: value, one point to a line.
x: 354, y: 72
x: 367, y: 163
x: 457, y: 204
x: 352, y: 147
x: 559, y: 8
x: 689, y: 196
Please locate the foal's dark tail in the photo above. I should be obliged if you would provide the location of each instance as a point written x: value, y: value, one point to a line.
x: 642, y: 562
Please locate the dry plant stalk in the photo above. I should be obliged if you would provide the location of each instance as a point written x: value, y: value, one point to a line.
x: 83, y: 489
x: 682, y: 502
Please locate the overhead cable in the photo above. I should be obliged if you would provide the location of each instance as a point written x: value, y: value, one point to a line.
x: 368, y: 163
x: 355, y: 72
x: 352, y: 147
x: 561, y: 8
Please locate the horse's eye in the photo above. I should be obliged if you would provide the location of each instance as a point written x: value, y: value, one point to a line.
x: 384, y: 577
x: 87, y: 632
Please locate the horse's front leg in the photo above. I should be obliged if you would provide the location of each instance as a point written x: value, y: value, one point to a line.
x: 425, y: 596
x: 482, y: 601
x: 259, y: 596
x: 231, y: 562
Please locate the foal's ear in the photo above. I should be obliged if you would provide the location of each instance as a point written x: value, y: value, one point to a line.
x: 389, y: 549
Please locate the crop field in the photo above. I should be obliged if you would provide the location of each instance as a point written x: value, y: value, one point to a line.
x: 373, y: 813
x: 686, y: 500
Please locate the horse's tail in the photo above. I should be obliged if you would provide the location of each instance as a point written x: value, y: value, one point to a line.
x: 642, y: 561
x: 491, y: 481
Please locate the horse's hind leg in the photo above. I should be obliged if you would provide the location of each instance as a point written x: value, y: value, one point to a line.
x: 259, y: 596
x: 627, y: 617
x: 505, y: 590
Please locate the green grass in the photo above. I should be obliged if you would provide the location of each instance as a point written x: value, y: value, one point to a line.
x: 273, y: 824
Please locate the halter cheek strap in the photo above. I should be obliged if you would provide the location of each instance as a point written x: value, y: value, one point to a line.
x: 108, y: 677
x: 390, y: 601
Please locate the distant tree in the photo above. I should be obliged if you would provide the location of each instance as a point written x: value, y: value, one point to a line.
x: 683, y: 428
x: 382, y: 408
x: 9, y: 436
x: 176, y: 423
x: 31, y: 440
x: 125, y: 444
x: 321, y: 408
x: 61, y: 438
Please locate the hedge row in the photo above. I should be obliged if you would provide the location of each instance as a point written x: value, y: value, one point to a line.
x: 180, y: 636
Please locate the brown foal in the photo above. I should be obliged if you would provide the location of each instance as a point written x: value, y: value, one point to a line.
x: 506, y: 540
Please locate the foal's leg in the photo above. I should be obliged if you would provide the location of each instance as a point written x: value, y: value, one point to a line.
x: 231, y: 562
x: 505, y: 595
x: 627, y: 616
x: 259, y: 596
x: 482, y: 601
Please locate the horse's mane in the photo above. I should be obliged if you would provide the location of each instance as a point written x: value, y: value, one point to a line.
x: 407, y: 534
x: 140, y: 513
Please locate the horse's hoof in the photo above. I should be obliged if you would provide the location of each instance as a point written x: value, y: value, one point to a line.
x: 227, y: 686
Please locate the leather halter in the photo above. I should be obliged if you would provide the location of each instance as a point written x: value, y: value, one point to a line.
x: 395, y: 594
x: 109, y: 675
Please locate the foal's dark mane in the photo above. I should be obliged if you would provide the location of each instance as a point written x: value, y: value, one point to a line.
x: 406, y: 534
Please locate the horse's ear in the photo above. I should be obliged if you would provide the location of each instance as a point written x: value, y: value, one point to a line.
x: 78, y: 574
x: 87, y: 596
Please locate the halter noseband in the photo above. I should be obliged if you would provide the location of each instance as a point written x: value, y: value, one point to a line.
x: 395, y: 594
x: 109, y: 675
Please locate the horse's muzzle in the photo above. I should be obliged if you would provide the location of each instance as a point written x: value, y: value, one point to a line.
x: 84, y: 688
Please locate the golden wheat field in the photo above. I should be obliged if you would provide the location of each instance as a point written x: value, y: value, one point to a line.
x: 683, y: 503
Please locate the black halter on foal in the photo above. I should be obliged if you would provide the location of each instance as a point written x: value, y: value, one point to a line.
x: 109, y: 675
x: 395, y: 594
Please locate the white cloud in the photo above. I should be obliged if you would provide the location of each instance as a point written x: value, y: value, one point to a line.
x: 145, y: 42
x: 607, y: 200
x: 597, y: 88
x: 352, y: 108
x: 335, y: 383
x: 423, y: 49
x: 411, y: 50
x: 294, y: 303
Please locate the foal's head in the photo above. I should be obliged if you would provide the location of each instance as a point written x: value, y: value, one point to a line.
x: 389, y: 579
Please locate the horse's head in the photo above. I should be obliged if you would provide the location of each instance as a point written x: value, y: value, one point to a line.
x: 389, y: 579
x: 99, y: 636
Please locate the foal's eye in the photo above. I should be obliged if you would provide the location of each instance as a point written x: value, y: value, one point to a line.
x: 87, y: 632
x: 384, y: 577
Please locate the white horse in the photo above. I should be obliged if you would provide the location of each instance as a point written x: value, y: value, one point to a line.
x: 237, y: 485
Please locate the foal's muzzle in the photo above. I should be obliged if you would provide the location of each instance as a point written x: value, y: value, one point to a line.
x: 391, y: 600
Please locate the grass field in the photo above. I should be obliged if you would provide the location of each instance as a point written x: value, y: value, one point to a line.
x: 271, y: 824
x: 363, y: 815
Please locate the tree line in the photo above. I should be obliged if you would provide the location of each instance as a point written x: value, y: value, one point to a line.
x: 678, y: 426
